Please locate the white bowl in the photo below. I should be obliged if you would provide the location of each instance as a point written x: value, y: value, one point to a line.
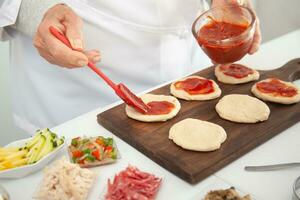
x: 25, y: 170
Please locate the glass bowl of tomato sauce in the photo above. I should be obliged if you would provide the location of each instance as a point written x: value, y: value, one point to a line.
x: 225, y: 33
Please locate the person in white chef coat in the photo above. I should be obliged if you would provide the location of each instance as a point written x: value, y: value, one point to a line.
x: 143, y: 43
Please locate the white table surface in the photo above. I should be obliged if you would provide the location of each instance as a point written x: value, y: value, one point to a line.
x: 276, y: 185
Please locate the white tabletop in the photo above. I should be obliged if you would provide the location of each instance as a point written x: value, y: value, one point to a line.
x: 276, y: 185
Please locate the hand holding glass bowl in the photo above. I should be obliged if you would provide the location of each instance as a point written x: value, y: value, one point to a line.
x: 225, y: 33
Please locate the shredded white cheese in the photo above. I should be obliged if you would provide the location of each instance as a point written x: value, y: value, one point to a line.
x: 65, y: 180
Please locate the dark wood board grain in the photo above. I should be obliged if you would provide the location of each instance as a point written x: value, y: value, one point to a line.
x: 152, y: 138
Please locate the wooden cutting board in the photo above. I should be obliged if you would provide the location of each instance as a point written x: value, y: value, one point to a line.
x: 152, y: 138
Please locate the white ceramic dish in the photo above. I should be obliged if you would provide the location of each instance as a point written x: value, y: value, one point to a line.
x: 25, y: 170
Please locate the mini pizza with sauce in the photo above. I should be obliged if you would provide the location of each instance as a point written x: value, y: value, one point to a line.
x: 235, y: 74
x: 161, y: 108
x: 195, y: 88
x: 276, y: 90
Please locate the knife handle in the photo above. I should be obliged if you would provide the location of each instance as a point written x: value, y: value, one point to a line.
x: 271, y: 167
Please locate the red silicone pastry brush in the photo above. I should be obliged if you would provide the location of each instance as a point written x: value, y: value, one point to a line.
x: 120, y: 89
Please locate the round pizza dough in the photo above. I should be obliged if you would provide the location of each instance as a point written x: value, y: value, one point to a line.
x: 197, y: 135
x: 185, y: 95
x: 232, y: 80
x: 242, y: 108
x: 132, y: 113
x: 276, y: 99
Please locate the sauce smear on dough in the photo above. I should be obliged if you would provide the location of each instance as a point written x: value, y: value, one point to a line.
x: 277, y: 88
x: 195, y: 86
x: 236, y: 70
x: 159, y: 107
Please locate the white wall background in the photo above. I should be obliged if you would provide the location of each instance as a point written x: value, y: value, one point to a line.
x: 277, y: 18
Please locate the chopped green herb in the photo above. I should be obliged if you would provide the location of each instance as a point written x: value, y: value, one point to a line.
x: 74, y: 142
x: 90, y: 158
x: 86, y: 151
x: 108, y: 142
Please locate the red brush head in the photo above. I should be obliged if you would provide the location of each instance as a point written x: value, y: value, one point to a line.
x: 131, y: 99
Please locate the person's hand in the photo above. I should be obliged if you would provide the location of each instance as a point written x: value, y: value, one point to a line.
x: 257, y: 34
x: 256, y: 38
x: 54, y: 51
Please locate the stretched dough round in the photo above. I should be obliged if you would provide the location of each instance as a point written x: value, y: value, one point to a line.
x: 185, y: 95
x: 276, y: 99
x: 132, y: 113
x: 232, y: 80
x: 197, y: 135
x: 242, y: 108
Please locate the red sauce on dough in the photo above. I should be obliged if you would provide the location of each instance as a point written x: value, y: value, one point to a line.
x: 159, y: 107
x: 195, y: 86
x: 223, y: 53
x: 236, y: 70
x: 277, y: 88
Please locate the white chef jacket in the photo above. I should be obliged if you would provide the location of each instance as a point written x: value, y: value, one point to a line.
x: 143, y: 43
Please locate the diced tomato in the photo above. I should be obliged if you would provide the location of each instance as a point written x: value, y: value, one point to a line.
x: 108, y: 148
x: 96, y: 154
x: 77, y: 153
x: 100, y: 142
x: 81, y: 161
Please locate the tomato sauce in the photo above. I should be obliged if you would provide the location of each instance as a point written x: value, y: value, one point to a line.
x: 159, y: 107
x: 228, y: 52
x: 236, y: 70
x: 277, y: 88
x: 195, y: 86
